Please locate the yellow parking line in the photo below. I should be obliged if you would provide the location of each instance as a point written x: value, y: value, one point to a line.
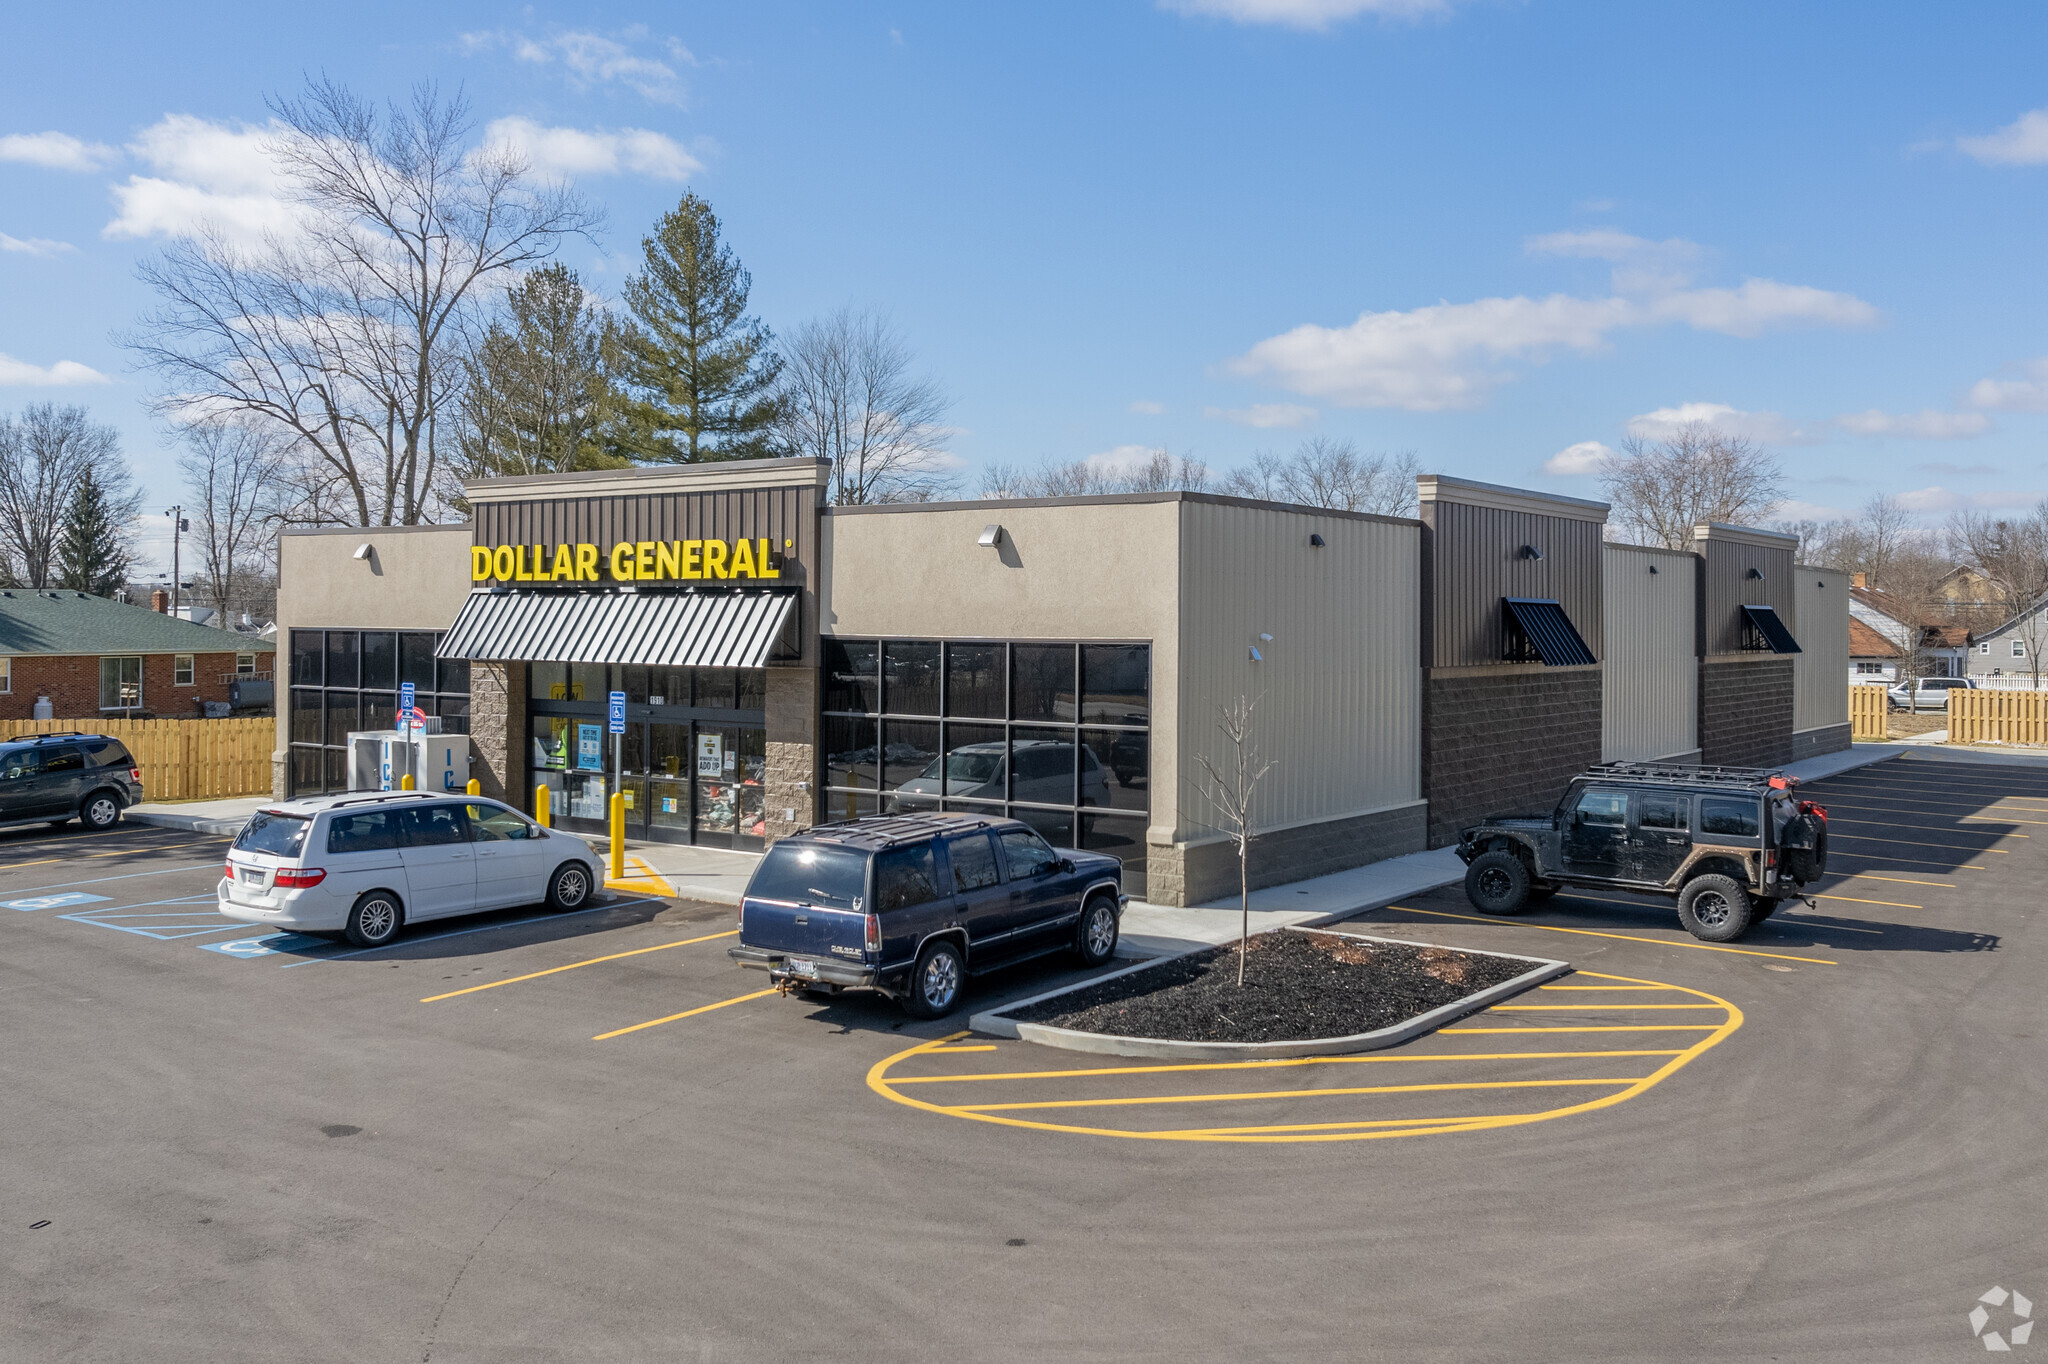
x: 1893, y: 824
x: 1901, y: 880
x: 1604, y: 987
x: 1850, y: 899
x: 953, y: 1051
x: 1624, y: 937
x: 1914, y: 843
x: 2003, y: 819
x: 1587, y: 1008
x: 1275, y: 1063
x: 553, y: 970
x: 40, y: 862
x: 1916, y: 861
x: 1150, y: 1099
x: 687, y: 1013
x: 1195, y: 1133
x: 158, y: 847
x: 1590, y: 1027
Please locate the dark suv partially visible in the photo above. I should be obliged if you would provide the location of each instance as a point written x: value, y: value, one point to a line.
x: 54, y: 778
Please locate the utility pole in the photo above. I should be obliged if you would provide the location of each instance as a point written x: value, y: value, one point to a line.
x: 179, y: 525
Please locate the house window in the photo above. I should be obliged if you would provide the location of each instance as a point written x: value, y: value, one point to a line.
x: 120, y: 683
x: 1985, y: 647
x: 1870, y: 668
x: 245, y: 665
x: 6, y: 675
x: 2019, y: 648
x: 181, y: 671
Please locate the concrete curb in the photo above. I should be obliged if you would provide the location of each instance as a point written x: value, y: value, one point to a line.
x: 196, y: 824
x: 995, y: 1024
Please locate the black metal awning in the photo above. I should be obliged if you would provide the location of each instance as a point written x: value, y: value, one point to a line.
x: 1540, y: 631
x: 1764, y: 633
x: 662, y: 629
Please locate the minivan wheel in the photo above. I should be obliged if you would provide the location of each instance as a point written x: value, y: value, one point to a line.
x: 375, y: 919
x: 1096, y: 941
x: 934, y: 985
x: 100, y: 811
x: 1497, y: 883
x: 1715, y: 908
x: 570, y: 886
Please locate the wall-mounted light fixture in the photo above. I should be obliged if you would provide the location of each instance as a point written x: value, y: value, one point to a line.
x: 1258, y: 657
x: 991, y: 536
x: 363, y: 550
x: 1653, y: 568
x: 1529, y: 552
x: 1315, y: 542
x: 1756, y: 573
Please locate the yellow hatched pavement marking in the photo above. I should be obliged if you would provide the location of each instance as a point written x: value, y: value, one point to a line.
x: 642, y: 877
x: 1006, y: 1113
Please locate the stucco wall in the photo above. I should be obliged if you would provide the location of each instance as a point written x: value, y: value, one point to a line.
x: 1649, y: 703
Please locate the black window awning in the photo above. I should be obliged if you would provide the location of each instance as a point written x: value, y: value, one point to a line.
x: 661, y: 629
x: 1540, y: 631
x: 1763, y: 632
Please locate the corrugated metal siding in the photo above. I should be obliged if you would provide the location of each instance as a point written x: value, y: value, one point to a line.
x: 751, y: 513
x: 1820, y: 622
x: 1475, y: 562
x: 667, y: 629
x: 1650, y: 688
x: 1340, y: 690
x: 1726, y: 588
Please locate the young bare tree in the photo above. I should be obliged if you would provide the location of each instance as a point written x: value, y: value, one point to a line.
x: 342, y: 332
x: 2012, y: 554
x: 233, y: 470
x: 1230, y: 789
x: 44, y: 457
x: 848, y: 395
x: 1661, y: 491
x: 1327, y: 472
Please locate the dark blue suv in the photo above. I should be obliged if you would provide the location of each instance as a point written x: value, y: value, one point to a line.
x: 913, y: 904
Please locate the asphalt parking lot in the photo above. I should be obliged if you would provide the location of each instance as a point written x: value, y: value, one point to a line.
x: 589, y: 1136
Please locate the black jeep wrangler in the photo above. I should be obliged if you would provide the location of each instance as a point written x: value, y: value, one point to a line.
x: 1731, y: 843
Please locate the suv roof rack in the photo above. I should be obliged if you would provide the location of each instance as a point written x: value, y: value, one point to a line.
x: 53, y: 734
x: 884, y: 831
x: 1686, y: 774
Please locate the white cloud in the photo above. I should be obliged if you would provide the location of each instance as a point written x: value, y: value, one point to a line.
x: 1795, y: 510
x: 2026, y: 391
x: 1313, y: 15
x: 55, y: 151
x: 1640, y: 265
x: 2023, y: 142
x: 574, y: 151
x: 1940, y: 499
x: 1585, y: 457
x: 592, y: 59
x: 33, y: 246
x: 1122, y: 459
x: 1926, y: 424
x: 1145, y: 407
x: 207, y: 174
x: 1762, y: 305
x: 1264, y: 416
x: 64, y: 374
x: 1769, y: 428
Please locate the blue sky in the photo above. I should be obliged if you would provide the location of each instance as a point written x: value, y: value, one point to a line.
x: 1488, y: 232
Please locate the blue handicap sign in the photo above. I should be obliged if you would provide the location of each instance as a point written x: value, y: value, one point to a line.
x: 405, y: 695
x: 269, y: 944
x: 618, y: 712
x: 53, y: 901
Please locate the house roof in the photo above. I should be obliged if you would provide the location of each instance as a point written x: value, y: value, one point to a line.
x: 36, y: 621
x: 1936, y: 632
x: 1945, y: 637
x: 1865, y: 642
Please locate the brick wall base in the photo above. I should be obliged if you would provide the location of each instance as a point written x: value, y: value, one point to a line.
x: 1191, y: 874
x: 1746, y: 711
x: 1504, y: 742
x: 1811, y: 743
x: 790, y: 791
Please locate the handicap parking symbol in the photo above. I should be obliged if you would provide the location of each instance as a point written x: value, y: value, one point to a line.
x: 270, y: 944
x: 53, y: 901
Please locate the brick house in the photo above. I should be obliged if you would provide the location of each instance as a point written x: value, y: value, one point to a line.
x: 94, y: 658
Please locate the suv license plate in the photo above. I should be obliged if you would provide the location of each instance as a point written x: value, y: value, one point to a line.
x: 803, y: 966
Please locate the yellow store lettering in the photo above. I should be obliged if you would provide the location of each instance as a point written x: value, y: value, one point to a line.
x: 628, y: 560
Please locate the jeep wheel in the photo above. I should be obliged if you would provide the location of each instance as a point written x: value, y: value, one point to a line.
x: 1497, y: 883
x: 1715, y: 908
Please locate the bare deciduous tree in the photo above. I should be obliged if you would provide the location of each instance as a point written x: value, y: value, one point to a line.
x: 1661, y: 491
x: 233, y: 471
x: 1231, y: 788
x: 848, y: 395
x: 2012, y: 554
x: 342, y: 332
x: 1158, y: 471
x: 44, y: 456
x: 1328, y: 472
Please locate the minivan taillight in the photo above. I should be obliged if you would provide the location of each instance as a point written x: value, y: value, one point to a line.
x: 289, y: 878
x: 874, y: 932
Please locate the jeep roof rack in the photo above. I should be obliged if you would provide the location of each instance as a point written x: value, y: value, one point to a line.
x: 1687, y: 774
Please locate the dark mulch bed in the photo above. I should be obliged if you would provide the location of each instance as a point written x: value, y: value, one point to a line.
x: 1297, y: 987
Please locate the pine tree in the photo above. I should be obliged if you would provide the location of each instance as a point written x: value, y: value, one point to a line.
x: 538, y: 384
x: 90, y: 553
x: 699, y: 370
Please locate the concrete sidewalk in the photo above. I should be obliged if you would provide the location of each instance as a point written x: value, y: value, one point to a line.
x: 197, y: 816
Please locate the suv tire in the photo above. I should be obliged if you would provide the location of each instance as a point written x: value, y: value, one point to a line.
x: 1095, y: 937
x: 933, y: 989
x: 1715, y: 908
x: 1497, y: 882
x: 374, y: 919
x: 569, y: 887
x: 100, y: 810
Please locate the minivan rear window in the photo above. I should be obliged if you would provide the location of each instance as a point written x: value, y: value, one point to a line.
x: 271, y: 832
x: 810, y: 874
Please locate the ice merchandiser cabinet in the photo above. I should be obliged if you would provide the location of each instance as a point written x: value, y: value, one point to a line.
x: 379, y: 759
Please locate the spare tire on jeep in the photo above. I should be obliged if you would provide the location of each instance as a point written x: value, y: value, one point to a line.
x: 1804, y: 846
x: 1497, y: 882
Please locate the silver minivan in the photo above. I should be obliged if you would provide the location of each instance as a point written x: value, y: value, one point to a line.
x: 366, y: 865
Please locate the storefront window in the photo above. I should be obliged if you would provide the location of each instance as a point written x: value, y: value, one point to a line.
x: 343, y: 681
x: 1056, y: 735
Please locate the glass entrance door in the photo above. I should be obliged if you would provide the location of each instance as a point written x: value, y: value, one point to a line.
x: 729, y: 763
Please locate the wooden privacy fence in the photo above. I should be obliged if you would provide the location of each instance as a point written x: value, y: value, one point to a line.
x: 182, y: 759
x: 1997, y: 717
x: 1868, y: 710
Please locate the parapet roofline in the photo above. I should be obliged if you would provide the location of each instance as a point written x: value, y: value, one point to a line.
x: 1470, y: 493
x: 1743, y: 535
x: 641, y: 480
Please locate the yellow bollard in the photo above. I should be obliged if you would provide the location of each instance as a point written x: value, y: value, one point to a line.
x: 618, y: 872
x: 405, y: 781
x: 475, y: 787
x: 540, y: 806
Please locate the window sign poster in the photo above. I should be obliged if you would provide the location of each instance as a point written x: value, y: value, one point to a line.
x: 710, y: 755
x: 590, y: 748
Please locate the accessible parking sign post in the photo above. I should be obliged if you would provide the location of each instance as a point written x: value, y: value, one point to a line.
x: 616, y: 712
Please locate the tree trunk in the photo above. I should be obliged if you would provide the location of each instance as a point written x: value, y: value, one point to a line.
x: 1244, y: 906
